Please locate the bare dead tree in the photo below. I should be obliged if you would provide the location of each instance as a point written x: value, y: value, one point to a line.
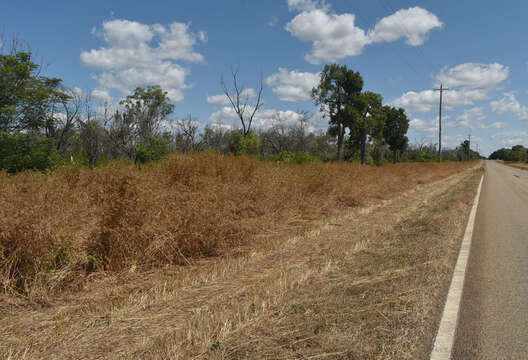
x: 70, y: 116
x: 239, y: 98
x: 187, y: 134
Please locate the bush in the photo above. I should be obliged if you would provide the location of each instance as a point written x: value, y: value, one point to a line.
x: 420, y: 156
x: 240, y: 144
x: 294, y: 157
x: 153, y: 149
x: 19, y: 151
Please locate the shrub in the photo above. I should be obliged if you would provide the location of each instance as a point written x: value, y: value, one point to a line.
x: 294, y: 157
x: 19, y: 151
x: 153, y: 149
x: 240, y: 144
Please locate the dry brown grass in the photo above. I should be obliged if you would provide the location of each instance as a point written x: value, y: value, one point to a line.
x: 56, y: 230
x: 366, y: 283
x: 517, y: 165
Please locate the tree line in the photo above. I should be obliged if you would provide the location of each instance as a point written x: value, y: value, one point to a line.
x: 516, y: 153
x: 44, y: 124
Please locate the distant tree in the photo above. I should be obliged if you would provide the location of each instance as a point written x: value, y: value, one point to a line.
x: 140, y: 120
x: 147, y: 108
x: 186, y: 138
x: 396, y: 126
x: 240, y: 100
x: 337, y: 94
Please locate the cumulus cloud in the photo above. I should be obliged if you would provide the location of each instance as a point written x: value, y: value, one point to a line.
x: 263, y: 119
x: 473, y: 82
x: 509, y: 104
x: 422, y: 125
x: 426, y: 100
x: 293, y: 85
x: 473, y: 76
x: 470, y: 118
x: 413, y: 24
x: 222, y: 99
x: 138, y: 55
x: 335, y: 36
x: 510, y: 138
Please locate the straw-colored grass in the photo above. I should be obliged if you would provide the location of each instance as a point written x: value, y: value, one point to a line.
x: 363, y: 282
x: 56, y: 230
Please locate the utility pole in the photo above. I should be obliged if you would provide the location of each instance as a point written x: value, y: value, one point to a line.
x: 441, y: 89
x: 469, y: 147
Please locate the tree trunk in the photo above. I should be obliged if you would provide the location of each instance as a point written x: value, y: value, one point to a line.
x: 340, y: 136
x: 363, y: 143
x: 395, y: 156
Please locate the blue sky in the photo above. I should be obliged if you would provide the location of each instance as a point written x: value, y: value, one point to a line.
x: 402, y: 49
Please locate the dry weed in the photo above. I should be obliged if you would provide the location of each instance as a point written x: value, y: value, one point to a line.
x: 57, y: 229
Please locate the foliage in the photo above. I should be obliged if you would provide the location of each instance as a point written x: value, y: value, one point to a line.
x: 396, y: 126
x: 27, y: 99
x: 240, y: 144
x: 516, y: 153
x: 338, y: 94
x: 19, y: 151
x: 294, y: 157
x: 153, y: 149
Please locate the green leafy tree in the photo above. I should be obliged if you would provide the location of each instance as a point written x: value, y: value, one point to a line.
x: 19, y: 151
x: 396, y: 126
x: 368, y: 120
x: 27, y: 99
x: 338, y: 94
x: 154, y: 149
x: 141, y: 119
x: 240, y: 144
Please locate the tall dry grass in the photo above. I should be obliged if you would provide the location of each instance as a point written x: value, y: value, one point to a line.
x: 55, y: 230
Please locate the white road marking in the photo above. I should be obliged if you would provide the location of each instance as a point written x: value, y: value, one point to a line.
x: 446, y: 331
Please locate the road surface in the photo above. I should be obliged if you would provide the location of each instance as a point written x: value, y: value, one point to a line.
x: 493, y: 322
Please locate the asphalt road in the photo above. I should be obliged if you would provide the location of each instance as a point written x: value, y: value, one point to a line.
x: 493, y: 322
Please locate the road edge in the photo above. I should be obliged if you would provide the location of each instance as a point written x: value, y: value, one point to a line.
x: 445, y: 336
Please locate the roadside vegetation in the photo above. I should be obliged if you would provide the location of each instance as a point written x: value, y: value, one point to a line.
x: 124, y: 208
x: 362, y: 282
x: 57, y: 229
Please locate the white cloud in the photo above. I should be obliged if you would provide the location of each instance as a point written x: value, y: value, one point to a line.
x: 335, y: 36
x: 473, y: 76
x: 102, y: 95
x: 413, y: 24
x: 474, y: 82
x: 509, y: 104
x: 422, y: 125
x: 509, y: 138
x: 263, y: 119
x: 427, y: 100
x: 293, y: 85
x: 139, y: 55
x: 218, y: 99
x: 246, y: 94
x: 494, y: 125
x: 307, y: 5
x: 470, y: 118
